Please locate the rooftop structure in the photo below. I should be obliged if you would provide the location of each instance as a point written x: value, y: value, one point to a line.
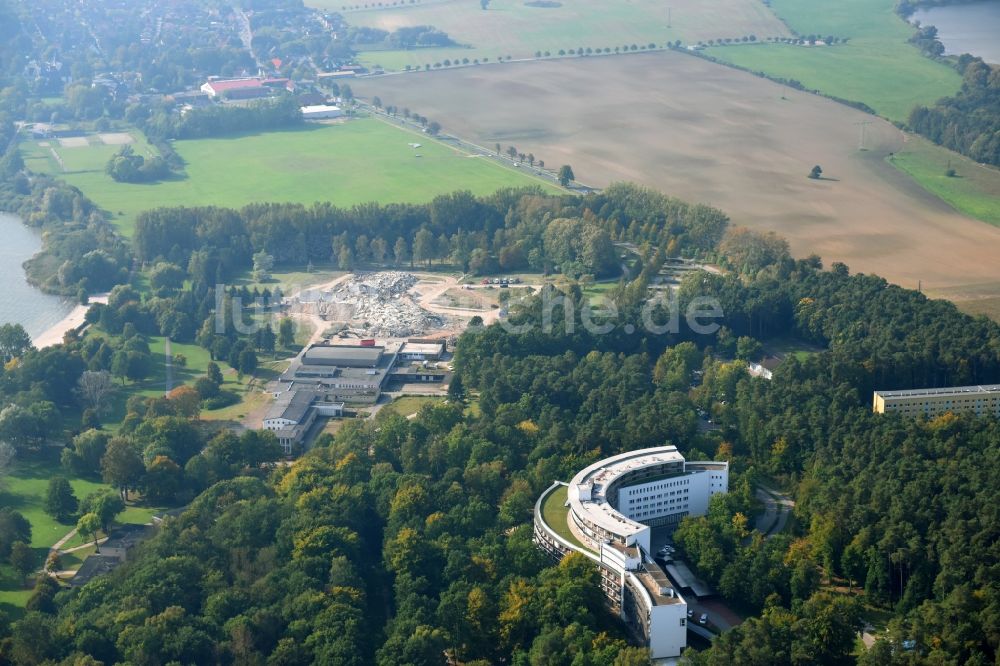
x: 606, y: 513
x: 321, y: 111
x: 981, y: 400
x: 344, y: 356
x: 592, y: 487
x: 245, y: 87
x: 114, y: 551
x: 421, y: 351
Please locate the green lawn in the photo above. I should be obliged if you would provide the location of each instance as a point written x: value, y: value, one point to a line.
x: 73, y: 561
x: 155, y: 384
x: 13, y: 593
x: 876, y: 66
x: 974, y: 190
x: 292, y: 278
x: 410, y: 404
x: 355, y: 162
x: 554, y: 513
x: 514, y: 28
x: 24, y: 489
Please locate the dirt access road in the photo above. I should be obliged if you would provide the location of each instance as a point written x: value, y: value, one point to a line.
x: 707, y: 133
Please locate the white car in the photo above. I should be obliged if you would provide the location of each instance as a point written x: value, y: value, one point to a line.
x: 703, y: 619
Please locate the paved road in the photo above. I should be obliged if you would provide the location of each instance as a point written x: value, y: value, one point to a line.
x: 777, y: 506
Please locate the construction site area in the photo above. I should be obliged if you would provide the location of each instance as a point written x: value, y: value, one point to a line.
x: 396, y: 305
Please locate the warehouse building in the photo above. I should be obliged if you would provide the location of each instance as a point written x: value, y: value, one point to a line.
x: 980, y: 400
x: 606, y: 513
x: 321, y: 112
x: 246, y: 88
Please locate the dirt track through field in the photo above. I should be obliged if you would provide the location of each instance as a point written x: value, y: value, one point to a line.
x: 707, y: 133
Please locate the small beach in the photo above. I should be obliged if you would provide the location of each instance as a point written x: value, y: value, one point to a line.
x: 54, y: 334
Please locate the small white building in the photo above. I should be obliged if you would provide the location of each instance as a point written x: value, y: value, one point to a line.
x: 321, y: 112
x: 421, y: 351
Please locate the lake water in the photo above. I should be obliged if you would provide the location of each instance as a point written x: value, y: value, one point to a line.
x: 966, y: 28
x: 19, y: 301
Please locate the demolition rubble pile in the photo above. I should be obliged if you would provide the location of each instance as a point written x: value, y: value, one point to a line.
x: 383, y: 301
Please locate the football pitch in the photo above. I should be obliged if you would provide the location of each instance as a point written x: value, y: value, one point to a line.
x: 346, y: 163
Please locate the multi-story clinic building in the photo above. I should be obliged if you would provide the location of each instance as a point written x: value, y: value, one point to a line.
x: 980, y: 400
x: 607, y: 513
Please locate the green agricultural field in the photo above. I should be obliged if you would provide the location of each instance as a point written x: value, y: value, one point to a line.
x: 519, y: 29
x: 974, y: 190
x: 876, y: 66
x: 349, y: 163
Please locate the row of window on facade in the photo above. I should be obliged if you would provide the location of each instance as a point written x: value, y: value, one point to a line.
x: 659, y: 486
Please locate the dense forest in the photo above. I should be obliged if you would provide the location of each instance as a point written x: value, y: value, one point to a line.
x: 402, y: 540
x: 969, y: 122
x: 510, y: 230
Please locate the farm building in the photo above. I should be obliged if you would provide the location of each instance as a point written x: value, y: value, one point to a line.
x: 248, y: 88
x: 321, y: 111
x: 334, y: 76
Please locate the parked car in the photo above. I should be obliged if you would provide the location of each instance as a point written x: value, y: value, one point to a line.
x: 690, y: 612
x: 703, y: 619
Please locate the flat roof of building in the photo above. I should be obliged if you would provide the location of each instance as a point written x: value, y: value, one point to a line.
x: 705, y: 465
x: 602, y: 473
x: 421, y: 348
x: 294, y: 407
x: 319, y: 108
x: 235, y: 84
x: 658, y: 585
x: 937, y: 392
x: 95, y: 565
x: 342, y: 355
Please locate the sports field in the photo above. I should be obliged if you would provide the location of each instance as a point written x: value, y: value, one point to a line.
x: 719, y: 136
x: 876, y: 66
x: 518, y: 29
x: 82, y: 153
x: 349, y: 163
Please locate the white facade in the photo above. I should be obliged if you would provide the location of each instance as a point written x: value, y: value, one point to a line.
x: 610, y: 508
x: 321, y: 111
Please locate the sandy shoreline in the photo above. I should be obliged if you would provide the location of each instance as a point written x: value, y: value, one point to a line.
x: 54, y: 334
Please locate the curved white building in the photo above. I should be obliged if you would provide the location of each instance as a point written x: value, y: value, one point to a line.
x: 606, y: 513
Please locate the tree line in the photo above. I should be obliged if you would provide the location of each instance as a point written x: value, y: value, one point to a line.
x: 968, y: 121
